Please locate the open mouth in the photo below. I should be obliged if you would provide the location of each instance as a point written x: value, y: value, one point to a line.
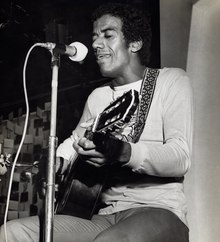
x: 102, y: 56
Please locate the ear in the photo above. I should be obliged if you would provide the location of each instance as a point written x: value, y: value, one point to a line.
x: 136, y: 46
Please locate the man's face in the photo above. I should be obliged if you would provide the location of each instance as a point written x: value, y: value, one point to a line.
x: 111, y: 51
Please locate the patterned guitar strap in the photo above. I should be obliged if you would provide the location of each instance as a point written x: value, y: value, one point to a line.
x: 146, y: 95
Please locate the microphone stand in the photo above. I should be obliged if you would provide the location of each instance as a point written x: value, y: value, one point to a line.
x: 51, y: 168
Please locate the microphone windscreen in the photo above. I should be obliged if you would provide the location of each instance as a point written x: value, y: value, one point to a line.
x: 81, y: 51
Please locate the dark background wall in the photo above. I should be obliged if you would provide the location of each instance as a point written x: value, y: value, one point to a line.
x: 25, y: 22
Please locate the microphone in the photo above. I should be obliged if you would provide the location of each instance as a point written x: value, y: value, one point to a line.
x: 76, y: 51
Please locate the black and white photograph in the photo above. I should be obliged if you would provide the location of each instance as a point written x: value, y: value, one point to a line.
x: 109, y: 121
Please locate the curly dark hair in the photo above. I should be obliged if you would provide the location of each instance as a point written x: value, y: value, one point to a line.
x: 135, y: 25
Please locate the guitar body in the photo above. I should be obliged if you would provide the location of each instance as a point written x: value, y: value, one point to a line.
x: 82, y: 184
x: 79, y: 192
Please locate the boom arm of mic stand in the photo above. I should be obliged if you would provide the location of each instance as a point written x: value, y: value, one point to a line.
x: 51, y: 169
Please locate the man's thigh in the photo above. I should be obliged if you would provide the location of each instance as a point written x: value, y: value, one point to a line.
x: 145, y: 225
x: 66, y: 228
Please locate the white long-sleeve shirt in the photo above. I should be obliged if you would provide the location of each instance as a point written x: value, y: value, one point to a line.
x: 164, y: 148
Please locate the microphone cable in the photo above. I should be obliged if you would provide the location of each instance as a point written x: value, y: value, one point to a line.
x: 22, y: 140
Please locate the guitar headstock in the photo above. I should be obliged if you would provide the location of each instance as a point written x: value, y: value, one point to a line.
x: 118, y: 113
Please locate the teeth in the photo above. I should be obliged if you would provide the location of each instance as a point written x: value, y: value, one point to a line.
x: 102, y: 56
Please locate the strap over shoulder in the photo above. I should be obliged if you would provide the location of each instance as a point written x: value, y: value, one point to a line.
x: 146, y: 96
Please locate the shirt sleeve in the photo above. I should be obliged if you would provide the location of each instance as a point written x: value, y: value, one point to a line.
x: 171, y: 157
x: 65, y: 149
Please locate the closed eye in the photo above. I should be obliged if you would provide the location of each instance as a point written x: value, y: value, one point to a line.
x: 108, y: 36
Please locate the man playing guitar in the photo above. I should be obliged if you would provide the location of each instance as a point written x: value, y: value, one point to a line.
x: 142, y: 199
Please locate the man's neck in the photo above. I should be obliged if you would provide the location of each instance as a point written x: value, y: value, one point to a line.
x: 129, y: 77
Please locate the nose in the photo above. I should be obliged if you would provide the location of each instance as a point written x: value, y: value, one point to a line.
x: 98, y: 43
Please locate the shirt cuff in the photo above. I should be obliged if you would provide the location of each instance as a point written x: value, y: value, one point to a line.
x: 65, y: 149
x: 138, y: 155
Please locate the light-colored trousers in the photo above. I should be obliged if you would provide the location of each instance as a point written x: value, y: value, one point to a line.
x: 134, y: 225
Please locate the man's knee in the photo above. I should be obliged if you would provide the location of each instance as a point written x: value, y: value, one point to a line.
x: 25, y: 229
x: 12, y: 230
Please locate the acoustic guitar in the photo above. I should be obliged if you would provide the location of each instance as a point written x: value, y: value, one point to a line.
x: 79, y: 190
